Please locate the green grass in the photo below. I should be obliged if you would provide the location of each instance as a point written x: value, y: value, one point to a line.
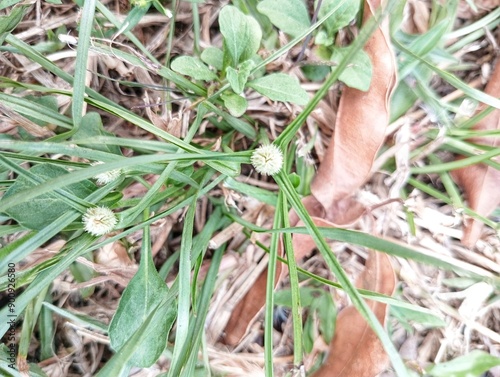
x: 188, y: 170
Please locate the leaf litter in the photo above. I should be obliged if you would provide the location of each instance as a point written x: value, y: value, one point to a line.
x: 419, y: 284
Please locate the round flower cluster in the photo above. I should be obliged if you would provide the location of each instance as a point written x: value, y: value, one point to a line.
x: 106, y: 177
x: 99, y: 221
x: 267, y: 159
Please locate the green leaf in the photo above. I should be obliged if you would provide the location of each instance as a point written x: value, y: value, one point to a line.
x: 83, y: 273
x: 342, y: 17
x: 358, y: 73
x: 310, y: 333
x: 236, y: 104
x: 237, y: 78
x: 327, y: 313
x: 91, y: 127
x: 242, y: 35
x: 472, y: 365
x: 424, y: 317
x: 214, y: 57
x: 8, y: 3
x: 133, y: 18
x: 9, y: 22
x: 142, y: 297
x: 322, y: 38
x: 261, y: 195
x: 280, y: 87
x: 46, y: 208
x: 290, y: 16
x: 192, y: 67
x: 50, y: 102
x: 316, y: 72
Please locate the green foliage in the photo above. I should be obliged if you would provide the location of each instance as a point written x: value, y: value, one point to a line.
x: 9, y: 22
x: 358, y: 74
x: 236, y: 104
x: 92, y: 128
x: 139, y: 306
x: 280, y: 87
x: 344, y: 14
x: 214, y: 57
x: 290, y: 16
x: 193, y: 67
x: 238, y: 78
x: 242, y: 35
x: 320, y: 305
x: 473, y: 364
x: 44, y: 209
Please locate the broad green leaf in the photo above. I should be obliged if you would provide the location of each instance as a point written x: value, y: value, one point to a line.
x: 91, y: 127
x: 42, y: 210
x: 213, y: 56
x: 192, y: 67
x: 342, y: 17
x: 473, y: 364
x: 120, y: 363
x: 358, y: 73
x: 237, y: 78
x: 142, y: 297
x: 280, y: 87
x: 242, y: 34
x: 290, y: 16
x: 236, y: 104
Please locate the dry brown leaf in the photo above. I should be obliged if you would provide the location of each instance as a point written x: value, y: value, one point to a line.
x: 355, y: 349
x: 360, y: 126
x: 480, y: 182
x: 416, y: 17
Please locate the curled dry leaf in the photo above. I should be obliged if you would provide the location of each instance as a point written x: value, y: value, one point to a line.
x: 360, y: 128
x: 480, y: 182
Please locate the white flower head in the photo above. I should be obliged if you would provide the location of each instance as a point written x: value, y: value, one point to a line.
x: 106, y: 177
x: 99, y: 221
x: 267, y: 159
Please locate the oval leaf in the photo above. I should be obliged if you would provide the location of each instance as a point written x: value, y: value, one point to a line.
x: 242, y: 34
x: 192, y: 67
x: 143, y: 296
x: 237, y: 105
x: 38, y: 212
x: 280, y: 87
x: 213, y: 56
x: 290, y: 16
